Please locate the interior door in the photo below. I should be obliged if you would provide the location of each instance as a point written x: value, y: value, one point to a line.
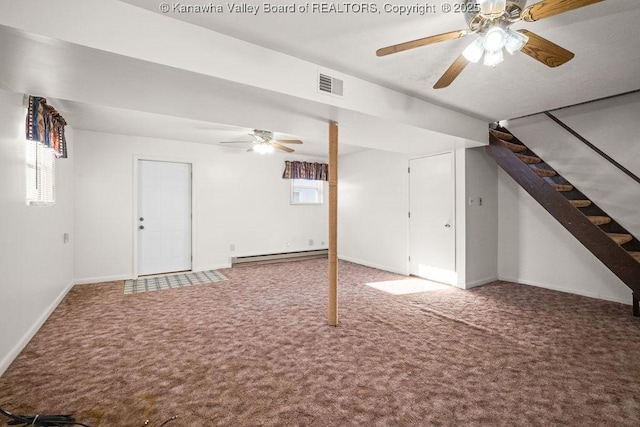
x: 164, y: 217
x: 431, y: 218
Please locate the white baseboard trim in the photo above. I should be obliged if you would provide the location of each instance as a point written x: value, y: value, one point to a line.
x: 89, y: 280
x: 20, y: 345
x: 214, y: 267
x: 372, y: 265
x: 480, y: 282
x: 567, y: 290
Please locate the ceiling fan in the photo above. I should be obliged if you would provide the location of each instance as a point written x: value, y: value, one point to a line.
x: 263, y: 142
x: 491, y: 20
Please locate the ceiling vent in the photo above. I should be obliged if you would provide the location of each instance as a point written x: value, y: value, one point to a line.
x: 328, y: 84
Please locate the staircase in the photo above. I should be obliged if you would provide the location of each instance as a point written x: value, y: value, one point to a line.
x: 614, y: 246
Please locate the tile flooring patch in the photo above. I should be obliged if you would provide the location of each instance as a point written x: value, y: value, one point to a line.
x: 158, y: 283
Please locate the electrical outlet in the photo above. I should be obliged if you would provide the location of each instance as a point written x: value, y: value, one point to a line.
x: 310, y: 242
x: 232, y: 247
x: 472, y: 201
x: 65, y: 238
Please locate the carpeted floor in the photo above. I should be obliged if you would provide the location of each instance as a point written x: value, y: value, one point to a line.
x: 255, y: 350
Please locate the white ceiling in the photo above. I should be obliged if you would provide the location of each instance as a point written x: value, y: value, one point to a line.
x: 121, y: 94
x: 605, y: 38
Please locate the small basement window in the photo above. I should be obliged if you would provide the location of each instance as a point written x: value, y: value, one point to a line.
x: 306, y: 192
x: 40, y: 174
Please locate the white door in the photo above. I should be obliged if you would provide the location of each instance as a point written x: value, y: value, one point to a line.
x: 164, y: 217
x: 431, y: 215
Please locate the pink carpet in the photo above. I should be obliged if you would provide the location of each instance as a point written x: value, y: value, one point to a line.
x: 255, y: 350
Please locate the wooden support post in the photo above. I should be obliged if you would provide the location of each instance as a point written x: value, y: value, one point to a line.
x: 636, y: 305
x: 333, y: 224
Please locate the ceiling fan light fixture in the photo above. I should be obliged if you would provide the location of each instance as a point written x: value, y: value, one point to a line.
x: 495, y: 38
x: 493, y: 57
x: 474, y: 51
x: 515, y: 41
x: 492, y: 7
x: 263, y: 148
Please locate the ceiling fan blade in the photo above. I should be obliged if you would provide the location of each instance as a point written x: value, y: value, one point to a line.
x: 452, y: 35
x: 288, y: 141
x: 282, y: 147
x: 452, y: 72
x: 547, y: 8
x: 236, y: 142
x: 541, y: 49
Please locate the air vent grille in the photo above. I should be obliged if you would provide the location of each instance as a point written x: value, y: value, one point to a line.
x: 328, y: 84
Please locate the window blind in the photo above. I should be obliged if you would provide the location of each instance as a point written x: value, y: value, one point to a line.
x: 40, y: 174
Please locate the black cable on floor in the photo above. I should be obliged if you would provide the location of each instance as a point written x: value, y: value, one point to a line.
x: 169, y: 420
x: 41, y: 420
x: 52, y: 420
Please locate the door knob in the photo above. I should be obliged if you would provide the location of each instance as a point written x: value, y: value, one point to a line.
x: 141, y: 219
x: 141, y: 227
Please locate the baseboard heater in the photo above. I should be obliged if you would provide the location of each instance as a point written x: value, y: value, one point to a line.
x: 281, y: 257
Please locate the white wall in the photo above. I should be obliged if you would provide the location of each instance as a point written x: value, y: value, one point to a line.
x: 373, y: 201
x: 534, y: 249
x: 36, y: 266
x: 239, y: 198
x: 611, y: 124
x: 481, y: 232
x: 373, y: 225
x: 615, y: 129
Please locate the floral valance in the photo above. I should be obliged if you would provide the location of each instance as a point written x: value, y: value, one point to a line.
x: 306, y: 170
x: 45, y: 125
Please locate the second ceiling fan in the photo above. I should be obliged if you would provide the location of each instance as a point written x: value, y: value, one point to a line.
x: 263, y: 142
x: 491, y: 19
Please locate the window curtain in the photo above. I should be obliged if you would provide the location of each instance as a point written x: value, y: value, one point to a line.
x: 306, y: 170
x: 45, y: 125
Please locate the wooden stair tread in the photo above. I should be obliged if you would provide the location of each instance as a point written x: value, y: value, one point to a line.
x: 580, y: 203
x: 599, y: 220
x: 528, y: 159
x: 562, y: 187
x: 620, y: 238
x: 636, y: 255
x: 501, y: 135
x: 544, y: 173
x: 516, y: 148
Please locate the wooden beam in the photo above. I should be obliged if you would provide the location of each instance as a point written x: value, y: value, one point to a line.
x: 333, y: 224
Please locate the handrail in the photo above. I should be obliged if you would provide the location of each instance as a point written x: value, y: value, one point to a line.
x: 593, y: 147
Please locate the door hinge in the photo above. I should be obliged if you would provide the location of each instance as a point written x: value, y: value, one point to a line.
x: 409, y: 258
x: 409, y: 214
x: 409, y: 170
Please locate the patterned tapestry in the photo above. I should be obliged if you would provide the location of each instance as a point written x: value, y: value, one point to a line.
x: 306, y: 170
x: 46, y: 125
